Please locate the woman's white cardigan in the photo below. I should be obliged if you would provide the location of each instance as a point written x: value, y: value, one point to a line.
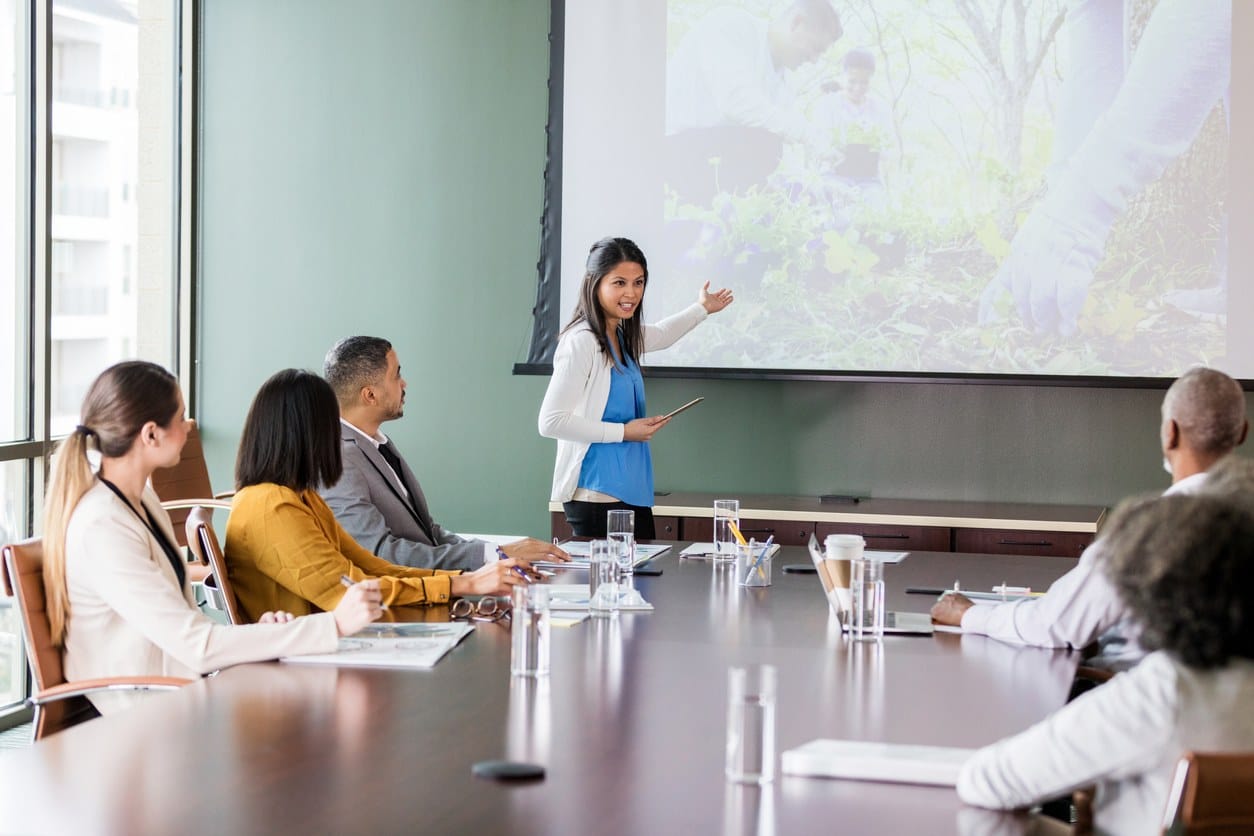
x: 580, y: 388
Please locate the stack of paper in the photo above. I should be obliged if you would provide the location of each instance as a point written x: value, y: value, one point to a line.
x: 574, y: 596
x: 707, y: 550
x: 403, y: 645
x: 893, y: 762
x: 580, y: 554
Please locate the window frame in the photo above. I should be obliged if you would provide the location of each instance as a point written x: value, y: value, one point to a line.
x: 34, y: 147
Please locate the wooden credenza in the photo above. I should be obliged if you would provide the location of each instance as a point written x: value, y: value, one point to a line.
x: 887, y: 524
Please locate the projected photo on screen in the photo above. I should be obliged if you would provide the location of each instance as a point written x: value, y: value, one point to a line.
x: 1031, y: 187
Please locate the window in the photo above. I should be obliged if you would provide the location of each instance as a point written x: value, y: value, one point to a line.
x: 112, y: 278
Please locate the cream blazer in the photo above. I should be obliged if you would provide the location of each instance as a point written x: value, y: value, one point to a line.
x: 580, y: 387
x: 128, y: 616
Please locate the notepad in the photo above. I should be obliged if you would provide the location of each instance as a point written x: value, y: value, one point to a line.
x: 418, y: 645
x: 707, y: 550
x: 861, y: 760
x: 580, y: 552
x: 565, y: 597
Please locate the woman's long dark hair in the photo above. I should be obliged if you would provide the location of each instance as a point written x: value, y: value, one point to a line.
x: 292, y: 434
x: 604, y: 256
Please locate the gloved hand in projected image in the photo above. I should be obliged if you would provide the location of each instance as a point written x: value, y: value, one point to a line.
x: 1179, y: 72
x: 1048, y: 273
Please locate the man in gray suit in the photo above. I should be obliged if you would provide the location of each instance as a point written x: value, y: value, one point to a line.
x: 378, y: 500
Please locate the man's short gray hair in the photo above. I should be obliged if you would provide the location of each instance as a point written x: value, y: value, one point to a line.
x: 354, y: 363
x: 1209, y: 407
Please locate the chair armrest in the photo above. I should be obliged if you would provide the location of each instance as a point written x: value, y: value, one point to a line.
x: 1092, y: 674
x: 196, y: 503
x: 83, y: 687
x: 224, y: 495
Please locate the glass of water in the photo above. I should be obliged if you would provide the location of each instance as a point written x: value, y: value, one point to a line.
x: 726, y: 522
x: 751, y: 724
x: 603, y: 574
x: 529, y: 652
x: 620, y: 527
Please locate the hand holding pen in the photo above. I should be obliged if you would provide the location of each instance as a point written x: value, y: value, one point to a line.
x: 362, y: 603
x: 951, y: 607
x: 495, y: 578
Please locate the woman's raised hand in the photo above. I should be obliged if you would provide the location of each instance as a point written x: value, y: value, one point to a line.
x: 716, y: 301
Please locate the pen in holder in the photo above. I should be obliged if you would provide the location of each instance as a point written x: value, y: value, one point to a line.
x: 753, y: 564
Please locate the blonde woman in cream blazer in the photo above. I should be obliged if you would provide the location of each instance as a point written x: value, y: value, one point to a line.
x: 119, y: 603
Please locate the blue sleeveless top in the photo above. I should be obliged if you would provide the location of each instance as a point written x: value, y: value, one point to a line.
x: 624, y: 469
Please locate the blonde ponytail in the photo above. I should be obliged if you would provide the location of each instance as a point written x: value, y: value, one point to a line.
x: 72, y: 477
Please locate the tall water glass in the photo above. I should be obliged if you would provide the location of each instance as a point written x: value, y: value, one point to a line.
x: 726, y: 518
x: 603, y: 574
x: 529, y: 654
x: 751, y: 724
x: 621, y: 528
x: 867, y: 587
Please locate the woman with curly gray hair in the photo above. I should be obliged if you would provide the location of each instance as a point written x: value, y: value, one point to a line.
x: 1184, y: 567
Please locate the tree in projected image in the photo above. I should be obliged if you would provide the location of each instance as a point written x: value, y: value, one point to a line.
x: 847, y: 279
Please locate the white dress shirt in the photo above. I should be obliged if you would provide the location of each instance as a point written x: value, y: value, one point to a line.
x: 1079, y: 608
x: 489, y: 549
x: 722, y: 74
x: 1125, y: 737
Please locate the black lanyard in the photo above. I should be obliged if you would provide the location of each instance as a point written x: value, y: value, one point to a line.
x: 171, y: 553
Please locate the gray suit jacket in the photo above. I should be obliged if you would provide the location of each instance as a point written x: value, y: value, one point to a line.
x: 371, y: 509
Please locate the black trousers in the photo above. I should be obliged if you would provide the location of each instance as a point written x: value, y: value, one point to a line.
x: 588, y: 519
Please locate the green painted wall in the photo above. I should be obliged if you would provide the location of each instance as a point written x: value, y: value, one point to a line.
x: 377, y: 168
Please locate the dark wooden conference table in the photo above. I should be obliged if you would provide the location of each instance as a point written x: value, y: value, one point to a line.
x: 630, y: 725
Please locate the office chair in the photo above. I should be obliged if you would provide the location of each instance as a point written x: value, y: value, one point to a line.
x: 1211, y: 795
x: 218, y: 584
x: 185, y: 486
x: 58, y: 704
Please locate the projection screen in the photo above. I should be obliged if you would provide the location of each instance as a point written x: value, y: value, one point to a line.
x: 988, y: 189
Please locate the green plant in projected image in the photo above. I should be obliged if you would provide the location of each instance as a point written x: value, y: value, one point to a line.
x: 873, y: 245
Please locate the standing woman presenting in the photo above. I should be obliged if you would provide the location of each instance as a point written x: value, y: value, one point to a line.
x: 594, y: 405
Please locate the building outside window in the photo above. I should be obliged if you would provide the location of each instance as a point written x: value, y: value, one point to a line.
x: 111, y: 235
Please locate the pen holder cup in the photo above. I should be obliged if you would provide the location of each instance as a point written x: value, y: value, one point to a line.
x: 753, y: 565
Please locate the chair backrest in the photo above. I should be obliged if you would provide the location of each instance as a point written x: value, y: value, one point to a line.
x: 1212, y: 795
x: 24, y: 580
x: 210, y: 548
x: 189, y: 479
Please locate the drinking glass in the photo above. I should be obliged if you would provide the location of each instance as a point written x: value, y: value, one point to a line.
x: 751, y: 724
x: 529, y: 653
x: 604, y: 589
x: 726, y: 518
x: 867, y: 587
x: 621, y: 529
